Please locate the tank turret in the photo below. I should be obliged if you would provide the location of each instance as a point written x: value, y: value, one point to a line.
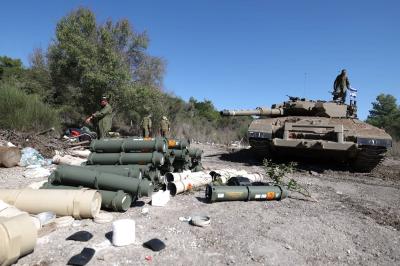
x: 308, y: 128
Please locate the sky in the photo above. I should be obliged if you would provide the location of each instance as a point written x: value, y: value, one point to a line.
x: 241, y: 54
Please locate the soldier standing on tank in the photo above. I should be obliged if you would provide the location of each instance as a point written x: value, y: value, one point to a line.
x: 340, y: 87
x: 165, y: 127
x: 146, y: 126
x: 102, y: 119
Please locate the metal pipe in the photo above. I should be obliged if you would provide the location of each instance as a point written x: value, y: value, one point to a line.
x: 158, y: 144
x: 80, y: 176
x: 244, y: 193
x: 77, y: 203
x: 155, y: 158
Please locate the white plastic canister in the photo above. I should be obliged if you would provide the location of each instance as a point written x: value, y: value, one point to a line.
x: 123, y: 232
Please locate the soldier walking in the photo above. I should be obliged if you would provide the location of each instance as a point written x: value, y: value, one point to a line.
x: 146, y: 126
x: 340, y: 87
x: 165, y: 127
x: 102, y: 119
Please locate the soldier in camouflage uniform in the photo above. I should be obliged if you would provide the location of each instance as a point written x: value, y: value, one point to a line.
x: 340, y: 87
x: 146, y: 126
x: 165, y: 127
x: 102, y: 118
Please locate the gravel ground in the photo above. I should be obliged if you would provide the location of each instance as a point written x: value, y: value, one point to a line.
x: 355, y: 220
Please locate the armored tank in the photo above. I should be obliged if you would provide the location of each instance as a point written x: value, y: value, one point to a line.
x: 308, y: 128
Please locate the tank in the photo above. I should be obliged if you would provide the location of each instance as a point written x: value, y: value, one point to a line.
x: 315, y: 128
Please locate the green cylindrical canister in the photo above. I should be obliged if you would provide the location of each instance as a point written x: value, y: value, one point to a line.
x: 124, y: 170
x: 231, y: 193
x: 80, y: 176
x: 178, y: 143
x: 267, y: 193
x: 181, y: 155
x: 110, y: 200
x: 129, y: 145
x: 155, y: 158
x: 195, y: 153
x: 226, y: 193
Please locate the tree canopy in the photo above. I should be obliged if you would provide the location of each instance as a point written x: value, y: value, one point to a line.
x: 385, y: 113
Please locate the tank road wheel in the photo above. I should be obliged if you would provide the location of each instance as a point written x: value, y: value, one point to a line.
x: 368, y: 158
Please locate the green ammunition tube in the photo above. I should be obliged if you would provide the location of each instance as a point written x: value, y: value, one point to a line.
x: 155, y: 158
x: 195, y: 153
x: 150, y: 172
x: 181, y: 155
x: 178, y: 143
x: 80, y: 176
x: 110, y: 200
x: 129, y: 145
x: 124, y: 170
x: 244, y: 193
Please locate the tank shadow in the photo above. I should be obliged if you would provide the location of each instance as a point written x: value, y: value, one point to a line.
x: 319, y: 165
x: 246, y: 156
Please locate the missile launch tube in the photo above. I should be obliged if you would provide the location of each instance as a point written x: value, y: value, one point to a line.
x: 77, y: 203
x: 110, y: 200
x: 80, y: 176
x: 177, y: 187
x: 244, y: 193
x: 155, y: 158
x: 124, y: 170
x: 129, y: 145
x: 18, y: 237
x: 178, y: 144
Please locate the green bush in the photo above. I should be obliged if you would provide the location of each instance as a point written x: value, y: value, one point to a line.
x: 24, y: 112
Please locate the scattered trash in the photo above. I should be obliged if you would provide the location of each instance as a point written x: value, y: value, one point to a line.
x: 82, y: 258
x: 67, y: 160
x: 148, y: 258
x: 160, y: 198
x: 185, y: 219
x: 9, y: 144
x: 46, y: 217
x: 37, y: 185
x: 80, y: 236
x: 9, y: 156
x: 30, y: 156
x: 82, y: 154
x: 144, y: 211
x: 154, y: 244
x: 200, y: 221
x: 103, y: 218
x: 36, y: 172
x: 64, y: 221
x: 123, y: 232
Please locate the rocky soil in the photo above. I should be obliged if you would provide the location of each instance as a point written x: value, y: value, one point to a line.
x: 354, y: 220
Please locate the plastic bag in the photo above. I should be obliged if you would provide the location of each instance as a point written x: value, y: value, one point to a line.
x: 30, y: 156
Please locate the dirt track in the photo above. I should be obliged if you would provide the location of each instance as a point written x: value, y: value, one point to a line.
x: 355, y: 221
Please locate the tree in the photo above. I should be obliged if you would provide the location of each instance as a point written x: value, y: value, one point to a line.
x: 88, y: 60
x: 10, y: 68
x: 385, y: 114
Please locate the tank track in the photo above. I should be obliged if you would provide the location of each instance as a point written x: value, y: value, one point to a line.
x: 368, y: 158
x: 261, y: 149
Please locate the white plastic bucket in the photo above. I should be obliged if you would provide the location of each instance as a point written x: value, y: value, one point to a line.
x: 123, y: 232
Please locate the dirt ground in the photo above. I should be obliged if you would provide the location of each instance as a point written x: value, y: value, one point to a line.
x: 356, y: 220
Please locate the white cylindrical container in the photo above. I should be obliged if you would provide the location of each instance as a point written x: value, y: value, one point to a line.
x: 123, y: 232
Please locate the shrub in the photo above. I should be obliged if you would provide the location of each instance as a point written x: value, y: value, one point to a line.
x: 24, y: 112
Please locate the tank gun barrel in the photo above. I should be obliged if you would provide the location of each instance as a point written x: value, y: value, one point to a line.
x: 259, y: 111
